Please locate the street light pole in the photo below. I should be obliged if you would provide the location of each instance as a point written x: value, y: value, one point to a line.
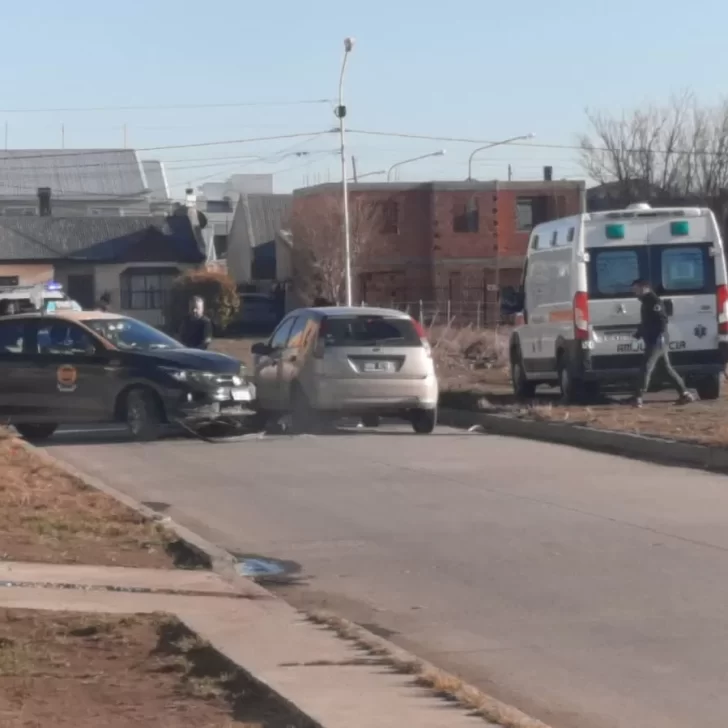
x: 368, y: 174
x: 490, y: 146
x: 341, y: 113
x: 439, y: 153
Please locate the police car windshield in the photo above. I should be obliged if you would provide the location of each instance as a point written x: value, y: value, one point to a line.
x: 132, y: 335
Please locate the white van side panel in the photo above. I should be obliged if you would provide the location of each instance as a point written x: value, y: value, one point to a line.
x: 549, y: 289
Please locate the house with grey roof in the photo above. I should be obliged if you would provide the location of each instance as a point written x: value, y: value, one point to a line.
x: 81, y: 182
x: 251, y: 248
x: 133, y: 258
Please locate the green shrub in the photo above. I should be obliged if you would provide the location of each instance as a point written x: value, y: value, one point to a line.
x: 218, y: 290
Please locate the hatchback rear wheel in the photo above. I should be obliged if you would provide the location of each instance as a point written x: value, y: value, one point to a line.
x: 424, y: 421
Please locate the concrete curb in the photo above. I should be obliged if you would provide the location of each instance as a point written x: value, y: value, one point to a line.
x: 223, y: 563
x: 639, y: 447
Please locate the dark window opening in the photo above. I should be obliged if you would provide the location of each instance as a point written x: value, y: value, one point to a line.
x: 221, y: 246
x: 466, y: 217
x: 389, y: 216
x: 532, y: 211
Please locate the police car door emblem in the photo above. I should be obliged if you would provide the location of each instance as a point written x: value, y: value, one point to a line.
x: 700, y: 331
x: 621, y: 308
x: 66, y: 377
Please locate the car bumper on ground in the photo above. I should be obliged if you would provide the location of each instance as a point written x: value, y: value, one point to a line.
x: 223, y: 402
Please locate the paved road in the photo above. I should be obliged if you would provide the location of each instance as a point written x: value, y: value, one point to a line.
x: 588, y: 590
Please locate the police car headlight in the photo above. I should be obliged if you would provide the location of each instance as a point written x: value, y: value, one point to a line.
x: 237, y: 381
x: 191, y: 375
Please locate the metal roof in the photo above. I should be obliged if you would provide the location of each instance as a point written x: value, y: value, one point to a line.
x: 71, y: 173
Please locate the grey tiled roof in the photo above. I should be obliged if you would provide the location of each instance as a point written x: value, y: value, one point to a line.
x: 97, y: 239
x: 71, y: 173
x: 267, y: 215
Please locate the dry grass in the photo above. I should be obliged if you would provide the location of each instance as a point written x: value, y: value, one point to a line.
x: 81, y: 671
x: 425, y: 675
x: 48, y: 515
x: 705, y: 423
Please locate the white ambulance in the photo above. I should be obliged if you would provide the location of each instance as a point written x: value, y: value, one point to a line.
x: 579, y: 314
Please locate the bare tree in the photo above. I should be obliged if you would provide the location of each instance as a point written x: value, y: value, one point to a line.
x: 319, y: 268
x: 677, y: 151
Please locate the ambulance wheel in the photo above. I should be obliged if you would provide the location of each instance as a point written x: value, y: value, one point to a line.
x: 709, y: 387
x: 522, y: 388
x: 36, y: 431
x: 572, y: 389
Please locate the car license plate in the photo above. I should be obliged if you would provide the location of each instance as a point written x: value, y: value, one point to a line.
x: 379, y: 366
x: 620, y: 336
x: 241, y: 395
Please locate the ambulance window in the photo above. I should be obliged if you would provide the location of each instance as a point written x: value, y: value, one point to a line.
x: 612, y: 271
x: 572, y: 232
x: 686, y: 269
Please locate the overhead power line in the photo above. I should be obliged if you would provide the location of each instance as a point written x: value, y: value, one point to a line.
x: 196, y: 145
x: 531, y: 145
x: 161, y: 107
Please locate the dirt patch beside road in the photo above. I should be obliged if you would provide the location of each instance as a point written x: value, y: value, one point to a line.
x: 50, y: 516
x: 84, y: 671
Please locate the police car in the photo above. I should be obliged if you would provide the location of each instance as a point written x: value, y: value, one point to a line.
x: 90, y: 366
x: 40, y: 297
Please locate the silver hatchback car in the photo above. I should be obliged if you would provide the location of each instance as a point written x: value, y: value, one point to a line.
x: 323, y: 363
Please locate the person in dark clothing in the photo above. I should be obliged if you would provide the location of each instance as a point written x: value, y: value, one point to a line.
x: 196, y: 331
x: 104, y: 302
x: 653, y: 331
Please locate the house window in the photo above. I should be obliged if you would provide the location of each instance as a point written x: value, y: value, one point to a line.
x: 531, y: 211
x: 221, y: 246
x: 466, y: 217
x: 146, y: 289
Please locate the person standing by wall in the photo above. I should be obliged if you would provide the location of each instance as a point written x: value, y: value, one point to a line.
x: 196, y: 330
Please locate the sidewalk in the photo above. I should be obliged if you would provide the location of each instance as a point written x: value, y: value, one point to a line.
x: 329, y: 679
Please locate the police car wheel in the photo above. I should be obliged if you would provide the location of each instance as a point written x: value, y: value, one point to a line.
x: 39, y: 431
x: 142, y: 414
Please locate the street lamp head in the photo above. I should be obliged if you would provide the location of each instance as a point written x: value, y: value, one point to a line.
x: 530, y: 136
x: 441, y: 153
x: 349, y: 44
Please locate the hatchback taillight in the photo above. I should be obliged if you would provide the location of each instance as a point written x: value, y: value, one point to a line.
x: 721, y: 296
x: 422, y: 335
x: 581, y: 316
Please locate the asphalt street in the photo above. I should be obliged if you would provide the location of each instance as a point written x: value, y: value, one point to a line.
x: 586, y: 589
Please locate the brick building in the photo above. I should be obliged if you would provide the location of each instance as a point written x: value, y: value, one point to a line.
x: 439, y: 241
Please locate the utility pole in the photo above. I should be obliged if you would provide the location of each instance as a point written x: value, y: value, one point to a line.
x: 63, y: 136
x: 124, y: 136
x: 6, y: 136
x: 510, y: 173
x: 353, y: 167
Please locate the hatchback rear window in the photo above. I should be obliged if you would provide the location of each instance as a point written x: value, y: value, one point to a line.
x: 370, y: 331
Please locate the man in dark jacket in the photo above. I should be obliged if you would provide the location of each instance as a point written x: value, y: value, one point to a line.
x: 653, y: 331
x: 196, y: 331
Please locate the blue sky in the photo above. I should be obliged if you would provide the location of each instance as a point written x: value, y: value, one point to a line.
x: 475, y: 69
